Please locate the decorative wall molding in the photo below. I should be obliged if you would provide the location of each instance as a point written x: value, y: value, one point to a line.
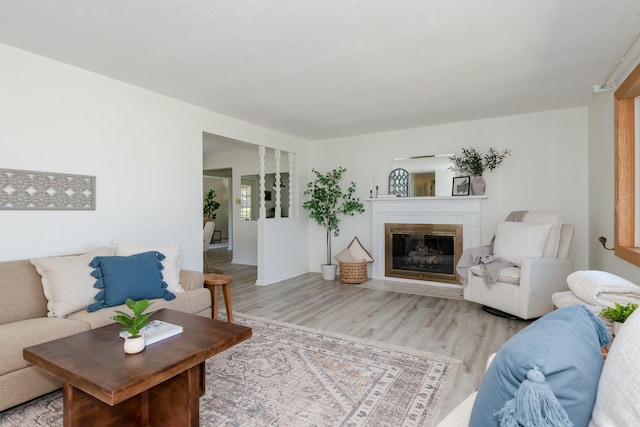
x: 29, y: 190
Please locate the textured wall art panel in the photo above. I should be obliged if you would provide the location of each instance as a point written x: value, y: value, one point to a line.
x: 46, y: 190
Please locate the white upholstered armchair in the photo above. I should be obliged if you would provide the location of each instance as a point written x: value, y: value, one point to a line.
x: 527, y: 264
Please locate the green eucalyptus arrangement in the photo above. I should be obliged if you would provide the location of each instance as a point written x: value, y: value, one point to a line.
x: 328, y: 200
x: 133, y: 323
x: 210, y: 205
x: 474, y: 163
x: 619, y: 313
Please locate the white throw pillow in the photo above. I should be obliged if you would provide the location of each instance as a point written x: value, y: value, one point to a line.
x: 67, y: 282
x: 553, y: 218
x: 517, y: 240
x: 358, y: 252
x: 171, y: 264
x: 617, y: 402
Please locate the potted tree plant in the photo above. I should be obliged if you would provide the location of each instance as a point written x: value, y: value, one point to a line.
x: 327, y: 201
x: 618, y: 314
x: 210, y: 206
x: 472, y: 162
x: 135, y: 342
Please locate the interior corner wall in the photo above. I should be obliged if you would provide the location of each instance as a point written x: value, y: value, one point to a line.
x: 601, y: 189
x: 547, y: 170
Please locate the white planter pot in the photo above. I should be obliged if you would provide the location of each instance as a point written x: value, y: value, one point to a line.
x: 328, y: 271
x: 134, y: 345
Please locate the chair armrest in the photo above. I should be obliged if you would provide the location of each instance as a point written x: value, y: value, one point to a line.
x: 191, y: 279
x: 540, y: 278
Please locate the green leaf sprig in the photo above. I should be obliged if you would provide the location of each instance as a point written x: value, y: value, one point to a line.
x: 133, y: 323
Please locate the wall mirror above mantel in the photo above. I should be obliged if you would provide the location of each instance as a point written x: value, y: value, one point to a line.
x: 429, y: 175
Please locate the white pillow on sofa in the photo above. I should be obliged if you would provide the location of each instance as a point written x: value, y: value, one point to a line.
x: 172, y: 262
x: 67, y: 282
x: 517, y: 240
x: 617, y: 402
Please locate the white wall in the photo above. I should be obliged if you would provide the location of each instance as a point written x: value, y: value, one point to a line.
x: 547, y: 170
x: 144, y: 149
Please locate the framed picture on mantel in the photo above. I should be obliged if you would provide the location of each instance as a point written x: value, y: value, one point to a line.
x: 461, y: 185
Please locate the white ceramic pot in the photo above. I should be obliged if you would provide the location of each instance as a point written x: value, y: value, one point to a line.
x: 134, y: 345
x: 328, y: 271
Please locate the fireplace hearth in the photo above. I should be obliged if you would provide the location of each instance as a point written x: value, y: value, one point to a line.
x: 423, y: 251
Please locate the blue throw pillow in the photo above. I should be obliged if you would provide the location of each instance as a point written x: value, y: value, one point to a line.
x: 137, y: 277
x: 546, y: 374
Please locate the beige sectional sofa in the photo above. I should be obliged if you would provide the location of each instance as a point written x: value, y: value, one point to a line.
x: 25, y: 321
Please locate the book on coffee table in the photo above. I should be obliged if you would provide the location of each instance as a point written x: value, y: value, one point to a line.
x: 156, y: 330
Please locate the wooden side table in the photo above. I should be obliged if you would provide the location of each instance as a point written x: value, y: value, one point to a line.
x: 213, y: 281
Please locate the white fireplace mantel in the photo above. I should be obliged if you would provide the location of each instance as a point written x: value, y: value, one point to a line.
x: 463, y: 210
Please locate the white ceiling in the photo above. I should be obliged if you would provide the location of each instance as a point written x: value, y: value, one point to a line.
x: 321, y: 69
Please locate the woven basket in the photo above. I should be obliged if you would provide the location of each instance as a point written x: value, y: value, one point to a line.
x: 353, y: 272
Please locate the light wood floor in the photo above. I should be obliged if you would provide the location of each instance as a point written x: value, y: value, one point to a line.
x: 452, y: 328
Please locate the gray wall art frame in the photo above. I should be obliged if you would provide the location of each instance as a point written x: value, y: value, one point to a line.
x: 30, y: 190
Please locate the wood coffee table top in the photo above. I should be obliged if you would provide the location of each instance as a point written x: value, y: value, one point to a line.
x: 95, y: 362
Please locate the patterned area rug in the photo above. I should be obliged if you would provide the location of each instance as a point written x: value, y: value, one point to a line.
x: 290, y: 376
x: 415, y: 288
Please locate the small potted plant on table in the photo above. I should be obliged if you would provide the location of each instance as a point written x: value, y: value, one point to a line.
x: 327, y: 201
x: 135, y: 342
x: 618, y: 314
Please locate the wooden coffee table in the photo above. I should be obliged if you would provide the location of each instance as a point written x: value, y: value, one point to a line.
x: 161, y: 386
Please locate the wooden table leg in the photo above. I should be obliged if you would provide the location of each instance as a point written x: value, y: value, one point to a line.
x: 215, y: 300
x: 175, y: 402
x: 226, y: 290
x: 81, y: 409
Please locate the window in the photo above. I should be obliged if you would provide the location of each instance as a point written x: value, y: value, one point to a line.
x: 245, y: 202
x: 626, y: 246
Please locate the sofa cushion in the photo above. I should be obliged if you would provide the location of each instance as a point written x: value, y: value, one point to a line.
x: 137, y: 277
x: 14, y: 307
x: 192, y: 302
x: 550, y: 344
x: 67, y: 282
x: 567, y: 298
x: 25, y: 333
x: 171, y: 263
x: 517, y: 240
x: 617, y: 403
